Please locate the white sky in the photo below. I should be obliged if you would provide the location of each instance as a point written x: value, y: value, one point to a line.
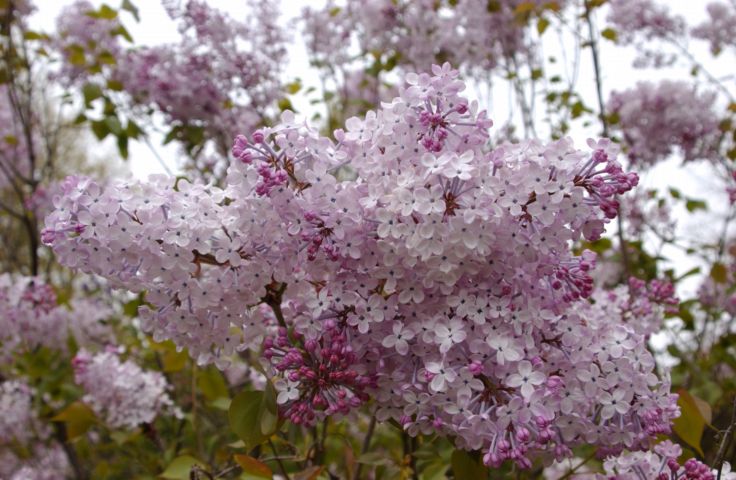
x: 694, y: 181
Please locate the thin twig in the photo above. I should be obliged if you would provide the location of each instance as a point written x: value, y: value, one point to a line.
x: 725, y: 442
x: 366, y: 445
x: 278, y: 459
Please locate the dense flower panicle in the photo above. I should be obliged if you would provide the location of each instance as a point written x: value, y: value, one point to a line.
x: 643, y: 211
x: 641, y: 23
x: 653, y: 20
x: 657, y: 119
x: 661, y: 464
x: 720, y: 27
x: 22, y: 431
x: 319, y: 374
x: 19, y: 422
x: 475, y: 36
x: 439, y: 280
x: 31, y: 318
x: 222, y: 77
x: 121, y: 393
x: 86, y: 42
x: 640, y: 305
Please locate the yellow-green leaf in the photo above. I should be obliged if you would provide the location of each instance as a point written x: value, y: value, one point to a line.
x: 253, y: 467
x: 609, y: 34
x: 465, y: 467
x: 690, y: 424
x: 77, y: 417
x: 719, y: 273
x: 542, y: 25
x: 181, y: 467
x: 211, y: 384
x: 253, y: 416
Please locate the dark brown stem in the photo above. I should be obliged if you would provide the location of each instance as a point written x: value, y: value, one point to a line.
x: 408, y: 443
x: 278, y: 460
x: 366, y: 445
x: 725, y: 442
x: 71, y: 454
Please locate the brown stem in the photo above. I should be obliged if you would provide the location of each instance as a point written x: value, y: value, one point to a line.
x: 725, y: 442
x: 71, y: 454
x: 278, y: 460
x: 366, y: 445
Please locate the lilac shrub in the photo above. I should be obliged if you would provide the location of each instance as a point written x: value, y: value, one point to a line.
x: 438, y: 282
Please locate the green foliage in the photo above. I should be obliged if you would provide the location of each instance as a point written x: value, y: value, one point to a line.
x: 253, y: 415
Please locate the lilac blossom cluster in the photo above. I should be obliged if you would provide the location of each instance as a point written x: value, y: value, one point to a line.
x: 657, y: 119
x: 478, y: 36
x: 643, y: 23
x: 653, y: 20
x: 86, y: 42
x: 438, y: 280
x: 640, y: 305
x: 720, y: 27
x: 119, y: 392
x: 222, y: 76
x: 24, y: 449
x: 30, y: 317
x: 660, y: 463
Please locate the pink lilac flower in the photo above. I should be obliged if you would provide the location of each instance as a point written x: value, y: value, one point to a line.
x: 653, y: 126
x: 660, y: 463
x: 121, y: 393
x: 30, y: 317
x: 475, y: 36
x: 641, y: 23
x: 326, y: 274
x: 720, y: 27
x: 87, y: 43
x: 22, y: 430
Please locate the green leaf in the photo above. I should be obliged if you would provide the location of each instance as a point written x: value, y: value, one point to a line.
x: 691, y: 422
x: 91, y: 92
x: 719, y: 273
x: 113, y: 124
x: 133, y: 130
x: 100, y: 129
x: 123, y: 145
x: 693, y: 205
x: 253, y: 416
x: 123, y: 32
x: 31, y: 35
x: 609, y: 34
x: 106, y: 58
x: 675, y: 193
x: 542, y: 25
x: 105, y: 12
x: 294, y: 86
x: 310, y: 473
x: 253, y: 467
x: 465, y: 467
x: 181, y: 467
x: 78, y: 418
x: 115, y: 85
x: 129, y: 7
x: 76, y: 55
x: 211, y: 384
